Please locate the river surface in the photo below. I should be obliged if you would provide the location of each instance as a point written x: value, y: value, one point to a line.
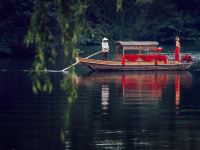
x: 112, y: 111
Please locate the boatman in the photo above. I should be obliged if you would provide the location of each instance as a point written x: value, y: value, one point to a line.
x: 105, y: 48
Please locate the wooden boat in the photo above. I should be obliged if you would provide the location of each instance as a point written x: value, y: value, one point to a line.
x: 150, y: 59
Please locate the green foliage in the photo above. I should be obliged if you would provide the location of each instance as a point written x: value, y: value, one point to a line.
x: 68, y: 85
x: 41, y: 81
x: 117, y: 19
x: 68, y: 17
x: 144, y: 20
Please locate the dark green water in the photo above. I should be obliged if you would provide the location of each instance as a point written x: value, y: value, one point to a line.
x: 123, y: 110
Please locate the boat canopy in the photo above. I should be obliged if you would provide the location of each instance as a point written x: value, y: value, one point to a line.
x: 137, y: 45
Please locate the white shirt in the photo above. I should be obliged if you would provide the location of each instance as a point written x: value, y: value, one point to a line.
x: 105, y: 46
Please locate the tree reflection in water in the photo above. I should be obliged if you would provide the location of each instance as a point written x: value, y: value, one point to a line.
x: 139, y: 86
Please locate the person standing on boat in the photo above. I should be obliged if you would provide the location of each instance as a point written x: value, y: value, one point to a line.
x: 105, y: 48
x: 177, y: 49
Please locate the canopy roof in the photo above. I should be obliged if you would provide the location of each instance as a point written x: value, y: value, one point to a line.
x: 137, y: 45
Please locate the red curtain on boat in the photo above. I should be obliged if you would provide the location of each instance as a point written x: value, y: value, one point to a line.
x: 162, y: 58
x: 132, y: 57
x: 147, y: 57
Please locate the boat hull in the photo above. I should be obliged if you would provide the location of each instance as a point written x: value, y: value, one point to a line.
x: 132, y: 66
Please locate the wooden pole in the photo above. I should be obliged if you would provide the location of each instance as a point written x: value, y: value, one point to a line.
x: 77, y: 62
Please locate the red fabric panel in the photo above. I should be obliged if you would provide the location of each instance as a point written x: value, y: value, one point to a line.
x: 131, y: 57
x: 147, y: 57
x: 162, y: 58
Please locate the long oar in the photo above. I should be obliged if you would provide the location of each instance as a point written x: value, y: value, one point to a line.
x: 78, y: 62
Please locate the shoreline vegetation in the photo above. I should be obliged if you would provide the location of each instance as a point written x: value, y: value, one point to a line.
x: 138, y: 20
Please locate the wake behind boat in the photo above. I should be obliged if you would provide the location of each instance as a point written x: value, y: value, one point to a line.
x: 139, y: 56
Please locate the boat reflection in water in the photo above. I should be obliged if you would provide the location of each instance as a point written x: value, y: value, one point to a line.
x: 138, y: 87
x: 143, y: 87
x: 105, y: 96
x: 134, y: 110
